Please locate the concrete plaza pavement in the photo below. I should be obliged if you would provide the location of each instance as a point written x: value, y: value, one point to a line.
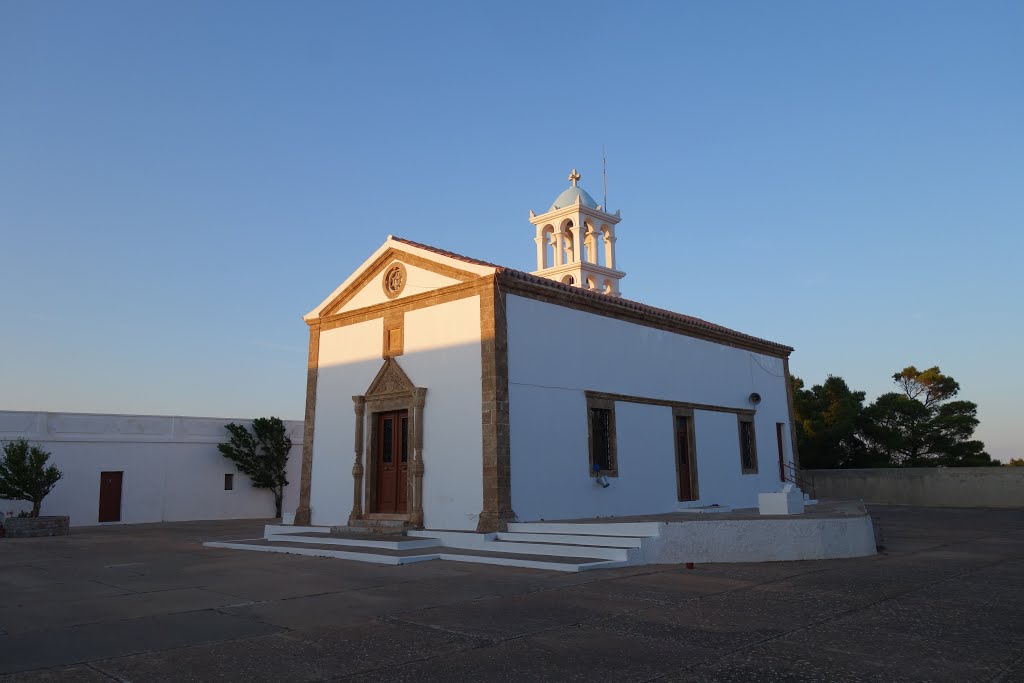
x: 944, y: 601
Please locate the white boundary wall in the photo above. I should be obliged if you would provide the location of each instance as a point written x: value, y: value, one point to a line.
x: 557, y: 353
x: 172, y: 468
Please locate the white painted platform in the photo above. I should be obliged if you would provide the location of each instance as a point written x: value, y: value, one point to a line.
x: 833, y: 530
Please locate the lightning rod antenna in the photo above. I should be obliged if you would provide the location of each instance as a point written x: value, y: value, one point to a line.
x: 604, y: 178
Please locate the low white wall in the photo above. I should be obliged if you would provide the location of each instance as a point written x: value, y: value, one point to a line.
x: 998, y: 487
x: 763, y: 540
x: 172, y: 468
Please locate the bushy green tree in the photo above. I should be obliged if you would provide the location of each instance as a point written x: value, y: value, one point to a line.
x: 261, y: 455
x: 24, y: 474
x: 920, y: 426
x: 828, y: 420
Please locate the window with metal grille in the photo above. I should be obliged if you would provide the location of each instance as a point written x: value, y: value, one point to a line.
x: 748, y: 446
x: 601, y: 419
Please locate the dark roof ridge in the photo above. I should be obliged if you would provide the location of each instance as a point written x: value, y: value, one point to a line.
x: 599, y: 296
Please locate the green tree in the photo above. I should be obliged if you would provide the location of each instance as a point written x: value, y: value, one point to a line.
x: 261, y: 455
x: 828, y: 419
x: 24, y: 474
x: 921, y: 426
x: 1016, y: 462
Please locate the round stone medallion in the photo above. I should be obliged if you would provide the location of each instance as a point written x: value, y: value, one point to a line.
x: 394, y: 280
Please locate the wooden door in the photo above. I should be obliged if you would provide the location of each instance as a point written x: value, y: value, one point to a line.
x: 392, y: 462
x: 782, y: 451
x: 110, y: 496
x: 684, y: 459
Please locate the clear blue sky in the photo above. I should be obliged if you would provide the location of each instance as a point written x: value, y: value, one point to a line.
x: 180, y: 181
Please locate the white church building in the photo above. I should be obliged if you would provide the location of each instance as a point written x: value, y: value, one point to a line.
x: 448, y: 393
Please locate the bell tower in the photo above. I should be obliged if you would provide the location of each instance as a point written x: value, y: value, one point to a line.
x: 576, y: 241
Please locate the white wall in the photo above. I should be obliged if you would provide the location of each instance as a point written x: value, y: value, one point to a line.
x: 350, y: 357
x: 172, y: 468
x: 556, y: 353
x: 442, y: 354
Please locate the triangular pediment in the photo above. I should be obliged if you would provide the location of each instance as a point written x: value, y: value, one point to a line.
x: 391, y: 379
x: 395, y: 271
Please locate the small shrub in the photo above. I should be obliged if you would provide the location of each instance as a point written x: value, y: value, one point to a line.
x: 24, y: 474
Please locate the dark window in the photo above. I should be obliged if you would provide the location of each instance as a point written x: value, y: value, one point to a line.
x: 601, y: 448
x: 748, y: 447
x: 229, y: 482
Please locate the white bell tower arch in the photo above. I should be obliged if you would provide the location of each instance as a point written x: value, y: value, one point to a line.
x: 576, y: 241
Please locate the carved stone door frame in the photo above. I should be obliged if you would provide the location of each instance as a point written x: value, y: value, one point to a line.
x: 390, y: 390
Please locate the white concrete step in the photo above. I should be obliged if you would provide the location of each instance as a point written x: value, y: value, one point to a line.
x: 705, y: 509
x: 632, y: 529
x: 290, y: 529
x: 558, y: 550
x: 392, y: 557
x: 573, y: 539
x: 511, y: 559
x: 399, y: 542
x: 489, y: 542
x: 262, y: 545
x: 454, y: 539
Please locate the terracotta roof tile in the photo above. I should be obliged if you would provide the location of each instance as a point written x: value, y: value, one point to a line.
x: 587, y: 294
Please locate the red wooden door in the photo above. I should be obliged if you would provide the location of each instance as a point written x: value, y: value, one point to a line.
x: 782, y: 451
x: 392, y: 462
x: 684, y: 464
x: 110, y: 496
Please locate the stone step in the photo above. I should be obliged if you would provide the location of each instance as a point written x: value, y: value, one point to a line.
x: 397, y: 557
x: 605, y: 541
x: 375, y: 526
